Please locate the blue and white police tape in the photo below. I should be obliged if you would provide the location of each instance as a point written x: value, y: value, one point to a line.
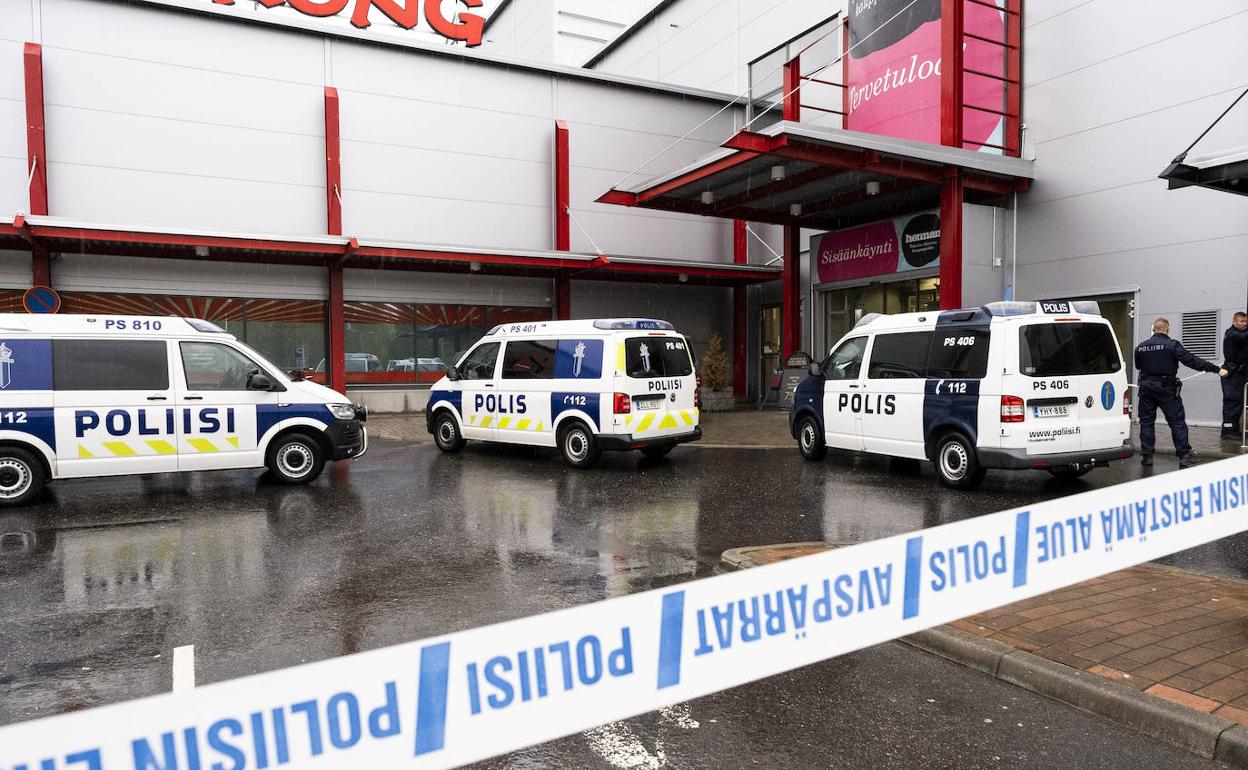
x: 455, y: 699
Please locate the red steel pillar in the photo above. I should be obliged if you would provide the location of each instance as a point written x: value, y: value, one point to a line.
x: 951, y: 72
x: 792, y: 109
x: 563, y: 232
x: 36, y: 157
x: 1014, y: 77
x: 951, y: 198
x: 333, y: 215
x: 791, y: 321
x: 740, y: 311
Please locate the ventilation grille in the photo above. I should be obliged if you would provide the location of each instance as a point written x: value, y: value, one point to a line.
x: 1200, y: 333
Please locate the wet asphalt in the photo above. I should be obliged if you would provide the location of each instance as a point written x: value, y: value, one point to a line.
x: 102, y: 579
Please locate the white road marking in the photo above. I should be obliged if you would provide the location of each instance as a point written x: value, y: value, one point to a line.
x: 184, y: 668
x: 679, y: 715
x: 620, y: 747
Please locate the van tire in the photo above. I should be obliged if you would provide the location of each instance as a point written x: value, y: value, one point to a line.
x: 957, y: 467
x: 809, y: 441
x: 22, y: 476
x: 295, y: 458
x: 577, y: 445
x: 446, y: 433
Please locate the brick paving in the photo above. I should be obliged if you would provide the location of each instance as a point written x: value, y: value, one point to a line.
x: 1171, y: 633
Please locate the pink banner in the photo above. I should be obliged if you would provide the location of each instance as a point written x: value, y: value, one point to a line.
x: 894, y: 70
x: 858, y: 252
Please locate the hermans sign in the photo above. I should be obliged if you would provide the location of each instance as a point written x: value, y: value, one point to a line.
x: 879, y: 248
x: 465, y: 27
x: 893, y: 71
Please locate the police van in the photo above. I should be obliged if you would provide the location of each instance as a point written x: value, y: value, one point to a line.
x: 1015, y: 385
x: 581, y: 386
x: 104, y: 395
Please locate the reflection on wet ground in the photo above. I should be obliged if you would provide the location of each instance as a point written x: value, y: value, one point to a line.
x: 103, y: 578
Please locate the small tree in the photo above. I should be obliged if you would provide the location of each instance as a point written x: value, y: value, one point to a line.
x: 715, y: 365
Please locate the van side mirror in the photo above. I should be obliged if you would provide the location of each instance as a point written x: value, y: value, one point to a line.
x: 815, y: 369
x: 259, y: 381
x: 452, y: 373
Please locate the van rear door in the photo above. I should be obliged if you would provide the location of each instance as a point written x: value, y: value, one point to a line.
x: 659, y: 378
x: 1073, y: 376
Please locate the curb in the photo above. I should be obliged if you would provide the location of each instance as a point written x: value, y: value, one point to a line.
x: 1207, y: 735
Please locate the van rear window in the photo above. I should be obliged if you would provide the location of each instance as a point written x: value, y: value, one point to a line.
x: 1067, y: 349
x: 657, y: 357
x: 110, y: 365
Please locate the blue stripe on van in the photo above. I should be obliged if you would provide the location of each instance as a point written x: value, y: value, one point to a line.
x: 953, y: 402
x: 268, y: 415
x: 565, y: 402
x: 453, y: 397
x: 25, y: 364
x: 34, y: 422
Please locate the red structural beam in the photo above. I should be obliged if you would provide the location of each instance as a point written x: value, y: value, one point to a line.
x: 740, y: 311
x: 792, y: 109
x: 791, y: 321
x: 563, y: 194
x: 337, y: 328
x: 951, y: 99
x: 951, y: 200
x: 1014, y: 72
x: 333, y: 163
x: 36, y: 145
x: 710, y: 169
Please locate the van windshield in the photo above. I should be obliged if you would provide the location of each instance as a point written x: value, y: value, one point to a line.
x: 1067, y: 349
x: 657, y: 357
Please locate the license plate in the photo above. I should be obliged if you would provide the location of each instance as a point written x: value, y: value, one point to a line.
x: 649, y: 404
x: 1052, y: 411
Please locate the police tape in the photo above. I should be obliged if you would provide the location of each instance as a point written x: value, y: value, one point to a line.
x: 466, y: 696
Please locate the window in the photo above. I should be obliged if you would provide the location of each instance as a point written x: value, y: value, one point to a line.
x: 899, y: 356
x: 213, y: 366
x: 657, y: 357
x: 110, y: 365
x: 959, y: 353
x: 529, y: 360
x: 846, y: 361
x: 479, y: 364
x: 1067, y: 349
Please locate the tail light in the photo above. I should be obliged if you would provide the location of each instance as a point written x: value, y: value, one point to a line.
x: 697, y: 394
x: 1126, y: 402
x: 1011, y: 409
x: 623, y: 403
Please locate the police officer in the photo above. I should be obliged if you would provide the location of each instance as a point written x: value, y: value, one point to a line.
x: 1235, y: 362
x: 1157, y: 362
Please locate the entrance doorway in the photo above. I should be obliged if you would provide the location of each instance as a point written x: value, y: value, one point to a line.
x: 772, y: 343
x: 843, y: 308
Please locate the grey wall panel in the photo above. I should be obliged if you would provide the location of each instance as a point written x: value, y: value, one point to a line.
x: 695, y: 311
x: 13, y: 170
x: 417, y: 219
x: 14, y: 269
x: 982, y: 237
x: 96, y: 272
x: 182, y: 40
x: 12, y: 74
x: 13, y: 198
x: 16, y: 23
x: 418, y: 287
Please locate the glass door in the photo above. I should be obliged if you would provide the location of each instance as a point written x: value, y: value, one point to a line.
x: 772, y: 344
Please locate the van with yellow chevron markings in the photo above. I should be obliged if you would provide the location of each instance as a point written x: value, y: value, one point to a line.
x: 582, y: 386
x: 84, y: 395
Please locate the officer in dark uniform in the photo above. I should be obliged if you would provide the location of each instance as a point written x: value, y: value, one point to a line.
x: 1235, y: 362
x: 1157, y: 362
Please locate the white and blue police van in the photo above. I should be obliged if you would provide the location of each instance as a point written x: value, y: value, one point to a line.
x: 1012, y: 385
x: 84, y: 396
x: 581, y: 386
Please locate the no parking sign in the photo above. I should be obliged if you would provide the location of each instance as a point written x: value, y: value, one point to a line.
x: 41, y: 299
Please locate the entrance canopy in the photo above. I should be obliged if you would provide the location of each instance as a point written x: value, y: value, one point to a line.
x: 1225, y: 171
x: 49, y: 234
x: 823, y: 178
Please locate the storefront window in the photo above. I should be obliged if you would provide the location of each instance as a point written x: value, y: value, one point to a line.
x: 390, y: 342
x: 288, y: 332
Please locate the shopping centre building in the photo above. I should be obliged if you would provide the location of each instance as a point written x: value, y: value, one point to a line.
x: 350, y: 188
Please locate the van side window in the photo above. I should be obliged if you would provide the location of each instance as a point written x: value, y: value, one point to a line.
x: 899, y: 356
x: 846, y: 361
x: 529, y: 360
x: 958, y: 353
x: 110, y: 365
x: 479, y: 364
x: 213, y: 366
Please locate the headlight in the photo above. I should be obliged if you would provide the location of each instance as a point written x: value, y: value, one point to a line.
x: 342, y: 411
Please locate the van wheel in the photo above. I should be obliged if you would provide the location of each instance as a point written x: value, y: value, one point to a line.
x: 809, y: 442
x: 655, y: 452
x: 21, y: 476
x: 1069, y: 474
x: 956, y: 464
x: 446, y: 433
x: 295, y: 459
x: 578, y: 446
